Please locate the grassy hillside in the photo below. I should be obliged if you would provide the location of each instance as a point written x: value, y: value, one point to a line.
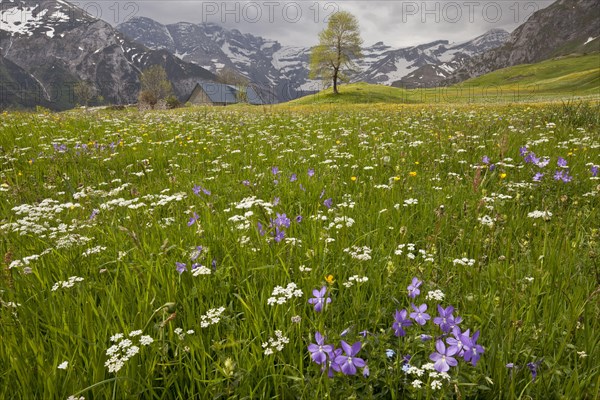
x: 557, y: 79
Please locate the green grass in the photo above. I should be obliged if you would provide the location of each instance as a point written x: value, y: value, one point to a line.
x: 532, y: 290
x: 564, y: 78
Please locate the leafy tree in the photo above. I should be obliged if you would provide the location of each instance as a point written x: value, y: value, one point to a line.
x: 155, y: 85
x: 85, y: 91
x: 339, y: 44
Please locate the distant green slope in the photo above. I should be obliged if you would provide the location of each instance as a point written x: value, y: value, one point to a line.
x: 557, y: 79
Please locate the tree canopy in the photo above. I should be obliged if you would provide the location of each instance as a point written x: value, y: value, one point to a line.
x: 339, y: 45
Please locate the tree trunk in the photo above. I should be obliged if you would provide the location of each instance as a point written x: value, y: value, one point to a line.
x: 335, y: 78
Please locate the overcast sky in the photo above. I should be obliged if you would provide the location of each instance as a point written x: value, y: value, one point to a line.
x: 396, y: 23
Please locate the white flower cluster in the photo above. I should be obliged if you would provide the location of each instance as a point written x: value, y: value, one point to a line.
x: 360, y: 253
x: 486, y: 220
x: 546, y: 215
x: 468, y: 262
x: 201, y: 270
x: 340, y: 222
x: 93, y: 250
x: 181, y: 334
x: 75, y: 398
x: 249, y: 202
x: 433, y: 374
x: 123, y: 349
x: 275, y: 344
x: 241, y: 222
x: 304, y: 268
x: 281, y: 295
x: 410, y: 247
x: 410, y: 202
x: 27, y: 260
x: 67, y: 284
x: 437, y: 295
x: 213, y: 316
x: 70, y: 240
x: 355, y: 278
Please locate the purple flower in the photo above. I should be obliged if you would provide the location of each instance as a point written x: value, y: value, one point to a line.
x: 538, y: 177
x: 413, y: 288
x: 299, y: 218
x: 279, y: 235
x: 485, y: 160
x: 320, y: 350
x: 533, y: 368
x: 349, y: 362
x: 543, y: 162
x: 274, y: 170
x: 193, y: 219
x: 562, y: 176
x: 180, y: 267
x: 293, y: 178
x: 400, y: 321
x: 332, y: 365
x: 531, y: 158
x: 214, y: 264
x: 319, y: 300
x: 196, y: 189
x: 366, y: 371
x: 425, y: 338
x: 276, y: 201
x: 261, y: 230
x: 460, y: 342
x: 446, y: 319
x: 328, y: 202
x: 594, y: 170
x: 474, y: 352
x: 420, y: 316
x: 561, y: 162
x: 492, y: 167
x: 311, y: 172
x: 246, y: 182
x: 282, y: 220
x: 443, y: 357
x: 95, y: 212
x: 196, y: 253
x: 523, y: 151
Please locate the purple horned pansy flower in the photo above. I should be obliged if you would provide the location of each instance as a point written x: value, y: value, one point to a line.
x: 275, y: 201
x: 298, y: 218
x: 366, y: 371
x: 293, y: 178
x: 485, y: 160
x: 420, y: 316
x: 246, y: 182
x: 400, y: 321
x: 332, y: 366
x: 474, y: 352
x: 193, y: 219
x: 328, y: 202
x: 349, y: 362
x: 445, y: 319
x: 594, y: 170
x: 261, y: 230
x: 181, y: 267
x: 279, y: 235
x: 345, y: 331
x: 320, y: 298
x: 213, y: 264
x: 523, y: 151
x: 543, y: 163
x: 95, y: 212
x: 492, y: 167
x: 274, y: 170
x: 320, y: 350
x: 533, y: 367
x: 196, y: 253
x: 413, y: 288
x: 196, y: 189
x: 364, y: 333
x: 561, y: 162
x: 311, y: 172
x: 532, y: 158
x: 461, y: 341
x: 425, y: 338
x: 538, y: 177
x: 282, y: 220
x: 322, y: 194
x: 442, y: 358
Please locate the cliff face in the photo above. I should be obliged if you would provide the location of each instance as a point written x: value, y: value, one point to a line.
x: 57, y: 45
x: 564, y: 27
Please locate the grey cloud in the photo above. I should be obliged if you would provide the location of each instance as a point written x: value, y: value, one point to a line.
x: 397, y: 23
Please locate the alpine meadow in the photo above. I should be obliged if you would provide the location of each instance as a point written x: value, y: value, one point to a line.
x: 191, y: 211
